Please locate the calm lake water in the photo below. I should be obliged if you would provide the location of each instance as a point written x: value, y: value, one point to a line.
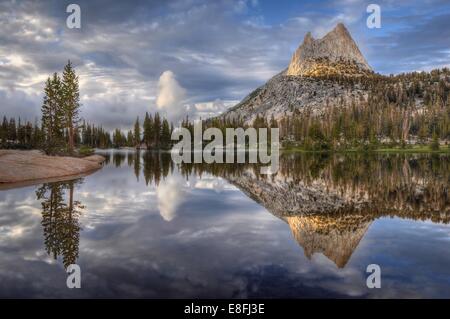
x: 144, y: 227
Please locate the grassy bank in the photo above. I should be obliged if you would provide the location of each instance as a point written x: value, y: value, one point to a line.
x: 381, y: 149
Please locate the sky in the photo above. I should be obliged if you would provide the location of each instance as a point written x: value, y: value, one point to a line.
x: 194, y: 57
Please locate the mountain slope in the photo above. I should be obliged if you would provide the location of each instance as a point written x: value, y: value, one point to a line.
x: 284, y: 95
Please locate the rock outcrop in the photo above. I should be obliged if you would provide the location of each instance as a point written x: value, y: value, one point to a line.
x: 335, y: 53
x: 21, y: 168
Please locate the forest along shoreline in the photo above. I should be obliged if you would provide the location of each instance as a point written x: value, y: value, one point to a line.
x: 23, y: 168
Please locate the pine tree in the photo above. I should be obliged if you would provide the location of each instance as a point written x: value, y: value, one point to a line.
x: 130, y: 138
x: 21, y: 133
x: 36, y: 137
x: 157, y: 130
x: 52, y: 115
x: 137, y: 133
x: 12, y: 131
x: 28, y: 134
x: 165, y: 134
x: 148, y: 129
x: 4, y: 130
x: 71, y: 102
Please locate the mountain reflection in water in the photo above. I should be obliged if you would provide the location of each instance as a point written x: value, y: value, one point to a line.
x: 329, y: 202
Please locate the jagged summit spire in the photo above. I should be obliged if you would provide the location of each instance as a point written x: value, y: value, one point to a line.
x: 340, y: 27
x: 308, y: 38
x: 335, y: 53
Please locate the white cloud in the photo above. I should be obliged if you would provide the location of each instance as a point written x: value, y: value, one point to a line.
x: 213, y: 108
x: 171, y: 96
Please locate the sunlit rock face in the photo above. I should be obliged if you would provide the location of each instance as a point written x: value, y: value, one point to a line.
x: 335, y: 53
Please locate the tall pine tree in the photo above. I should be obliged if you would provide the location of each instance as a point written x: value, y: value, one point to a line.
x: 71, y: 102
x: 52, y: 115
x: 137, y: 133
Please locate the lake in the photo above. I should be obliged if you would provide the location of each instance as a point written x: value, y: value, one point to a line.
x: 145, y: 227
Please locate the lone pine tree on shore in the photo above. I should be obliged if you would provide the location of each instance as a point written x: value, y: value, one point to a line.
x: 71, y: 102
x: 60, y: 110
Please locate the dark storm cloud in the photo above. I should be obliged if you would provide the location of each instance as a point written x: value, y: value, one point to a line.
x: 216, y: 49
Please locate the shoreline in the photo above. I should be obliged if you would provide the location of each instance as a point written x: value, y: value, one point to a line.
x: 24, y: 168
x: 381, y: 150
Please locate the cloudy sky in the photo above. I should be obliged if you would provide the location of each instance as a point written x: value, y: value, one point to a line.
x: 194, y: 57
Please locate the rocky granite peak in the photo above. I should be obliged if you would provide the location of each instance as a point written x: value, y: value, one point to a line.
x: 307, y: 83
x: 335, y: 53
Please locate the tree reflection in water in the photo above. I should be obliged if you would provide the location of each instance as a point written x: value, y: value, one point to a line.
x: 60, y: 220
x: 412, y: 186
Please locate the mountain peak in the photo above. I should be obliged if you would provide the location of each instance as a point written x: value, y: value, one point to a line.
x: 340, y: 27
x: 335, y: 53
x: 308, y: 38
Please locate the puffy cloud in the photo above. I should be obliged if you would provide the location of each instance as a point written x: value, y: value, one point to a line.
x: 171, y: 96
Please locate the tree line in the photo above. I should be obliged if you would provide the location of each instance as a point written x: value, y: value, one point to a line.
x: 155, y: 133
x: 61, y: 129
x: 19, y: 134
x: 411, y: 108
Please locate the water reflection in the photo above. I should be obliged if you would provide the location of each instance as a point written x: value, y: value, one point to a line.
x: 146, y: 227
x: 152, y: 165
x: 398, y: 185
x: 336, y: 237
x: 328, y: 201
x: 60, y: 215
